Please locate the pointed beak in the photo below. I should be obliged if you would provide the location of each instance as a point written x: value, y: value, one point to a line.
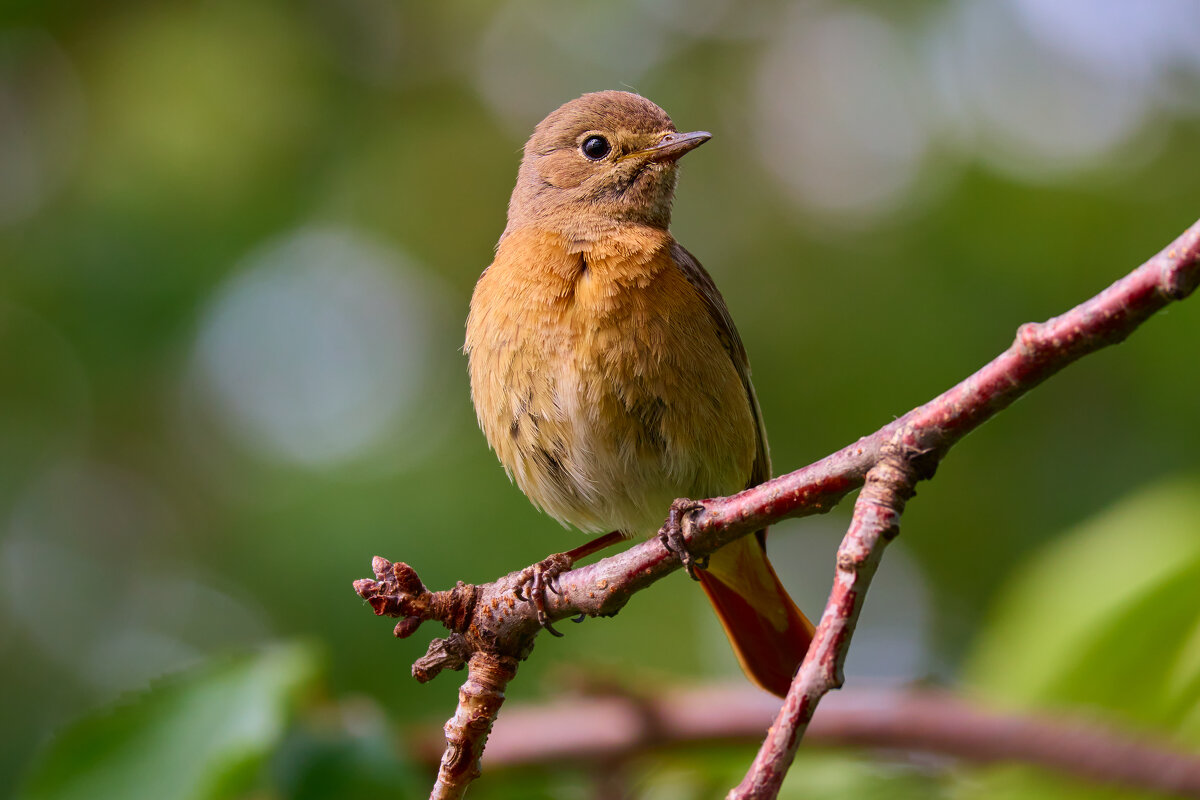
x: 672, y: 146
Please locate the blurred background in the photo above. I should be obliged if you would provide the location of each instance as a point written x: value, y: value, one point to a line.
x: 237, y: 241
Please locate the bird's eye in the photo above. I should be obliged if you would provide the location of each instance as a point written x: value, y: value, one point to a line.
x: 595, y: 147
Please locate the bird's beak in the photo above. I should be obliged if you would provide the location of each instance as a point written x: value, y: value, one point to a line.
x: 672, y: 146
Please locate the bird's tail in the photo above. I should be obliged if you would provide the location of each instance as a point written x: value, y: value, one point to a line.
x: 769, y: 634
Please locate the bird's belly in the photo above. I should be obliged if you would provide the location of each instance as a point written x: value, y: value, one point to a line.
x: 626, y: 420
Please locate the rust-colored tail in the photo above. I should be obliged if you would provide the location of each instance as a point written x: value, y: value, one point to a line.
x: 768, y: 632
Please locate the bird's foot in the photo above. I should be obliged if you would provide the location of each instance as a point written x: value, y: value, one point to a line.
x: 534, y: 580
x: 671, y: 535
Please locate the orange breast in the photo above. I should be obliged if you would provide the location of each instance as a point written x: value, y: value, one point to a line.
x: 601, y: 382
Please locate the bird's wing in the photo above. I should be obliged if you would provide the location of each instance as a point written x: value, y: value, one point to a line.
x: 699, y: 278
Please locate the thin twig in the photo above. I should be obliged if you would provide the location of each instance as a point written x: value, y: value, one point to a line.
x: 467, y: 731
x: 875, y: 522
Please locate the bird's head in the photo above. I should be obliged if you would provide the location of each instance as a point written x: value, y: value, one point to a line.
x: 601, y: 160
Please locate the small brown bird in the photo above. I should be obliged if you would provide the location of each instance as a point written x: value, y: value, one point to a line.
x: 605, y: 369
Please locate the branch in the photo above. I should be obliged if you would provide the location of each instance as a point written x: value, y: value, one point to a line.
x: 608, y: 729
x: 488, y: 619
x: 467, y: 731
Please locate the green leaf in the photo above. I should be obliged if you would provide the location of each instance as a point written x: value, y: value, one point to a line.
x: 1106, y: 615
x: 197, y: 735
x: 1104, y: 621
x: 347, y: 750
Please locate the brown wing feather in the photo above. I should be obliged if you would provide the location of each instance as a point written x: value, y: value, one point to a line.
x: 698, y: 277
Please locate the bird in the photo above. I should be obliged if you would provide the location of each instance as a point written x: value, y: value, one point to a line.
x: 605, y: 368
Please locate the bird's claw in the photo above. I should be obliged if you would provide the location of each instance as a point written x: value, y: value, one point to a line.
x: 534, y: 580
x: 671, y: 536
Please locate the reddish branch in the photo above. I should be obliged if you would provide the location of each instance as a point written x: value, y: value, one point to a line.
x: 488, y: 618
x: 608, y: 729
x: 467, y: 731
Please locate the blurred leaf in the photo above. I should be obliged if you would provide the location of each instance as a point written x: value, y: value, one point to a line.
x: 814, y: 775
x: 355, y: 756
x: 198, y: 735
x: 535, y: 784
x: 1074, y: 626
x: 1103, y: 618
x: 834, y: 775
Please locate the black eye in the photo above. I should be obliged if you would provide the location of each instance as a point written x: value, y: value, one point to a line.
x: 595, y: 147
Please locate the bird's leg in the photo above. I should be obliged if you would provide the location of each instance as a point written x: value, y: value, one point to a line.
x: 533, y: 581
x: 671, y: 535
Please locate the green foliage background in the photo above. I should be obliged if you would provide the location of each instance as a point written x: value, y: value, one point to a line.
x: 179, y: 580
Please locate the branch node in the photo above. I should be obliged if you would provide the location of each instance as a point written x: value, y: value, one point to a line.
x: 406, y: 627
x: 1175, y: 283
x: 449, y: 653
x: 454, y: 607
x: 397, y: 591
x: 1028, y: 339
